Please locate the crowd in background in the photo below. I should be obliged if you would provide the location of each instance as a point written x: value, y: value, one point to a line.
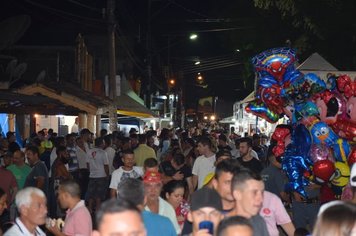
x: 176, y: 179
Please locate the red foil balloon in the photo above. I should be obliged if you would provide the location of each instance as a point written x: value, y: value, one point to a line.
x: 346, y: 86
x: 352, y: 157
x: 280, y: 134
x: 323, y: 170
x: 345, y: 129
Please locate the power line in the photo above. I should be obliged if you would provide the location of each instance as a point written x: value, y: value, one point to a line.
x: 214, y: 67
x: 83, y: 5
x: 188, y: 10
x: 63, y: 12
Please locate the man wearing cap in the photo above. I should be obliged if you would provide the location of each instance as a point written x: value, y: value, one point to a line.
x: 13, y: 145
x: 206, y: 205
x: 153, y: 186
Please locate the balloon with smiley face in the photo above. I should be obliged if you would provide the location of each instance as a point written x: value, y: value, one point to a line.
x: 323, y: 134
x: 342, y: 174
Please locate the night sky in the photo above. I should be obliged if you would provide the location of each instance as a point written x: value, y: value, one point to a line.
x: 326, y: 27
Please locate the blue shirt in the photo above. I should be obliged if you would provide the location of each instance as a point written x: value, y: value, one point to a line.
x: 157, y: 225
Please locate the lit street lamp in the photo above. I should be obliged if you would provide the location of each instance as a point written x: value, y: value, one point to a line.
x: 193, y: 36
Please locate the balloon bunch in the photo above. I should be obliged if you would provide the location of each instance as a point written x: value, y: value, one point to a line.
x: 322, y: 118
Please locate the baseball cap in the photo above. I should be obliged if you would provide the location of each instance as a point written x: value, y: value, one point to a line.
x: 353, y: 176
x: 152, y: 177
x: 206, y: 197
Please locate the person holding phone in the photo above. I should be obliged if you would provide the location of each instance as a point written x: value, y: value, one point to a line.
x: 205, y: 212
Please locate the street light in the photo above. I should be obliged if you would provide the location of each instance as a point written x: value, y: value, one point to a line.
x: 171, y: 82
x: 197, y: 63
x: 199, y: 79
x: 193, y: 36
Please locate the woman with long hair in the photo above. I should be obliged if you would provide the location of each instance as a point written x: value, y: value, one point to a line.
x: 173, y: 193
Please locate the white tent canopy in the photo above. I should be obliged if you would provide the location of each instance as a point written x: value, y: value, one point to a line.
x: 318, y: 65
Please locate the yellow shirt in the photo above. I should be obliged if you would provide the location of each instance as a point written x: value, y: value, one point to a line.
x: 143, y: 152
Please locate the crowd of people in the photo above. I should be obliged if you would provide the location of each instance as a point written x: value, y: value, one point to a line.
x: 175, y: 182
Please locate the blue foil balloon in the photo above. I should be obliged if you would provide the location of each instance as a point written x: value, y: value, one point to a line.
x: 266, y: 81
x: 294, y: 166
x: 304, y: 110
x: 277, y: 62
x: 322, y: 134
x: 302, y: 141
x: 261, y: 110
x: 304, y: 87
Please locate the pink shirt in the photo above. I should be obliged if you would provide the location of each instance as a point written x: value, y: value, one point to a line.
x: 273, y: 212
x: 78, y: 221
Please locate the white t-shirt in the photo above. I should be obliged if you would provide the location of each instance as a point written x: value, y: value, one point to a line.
x: 111, y: 154
x: 121, y: 174
x: 52, y: 158
x: 97, y: 158
x: 202, y: 167
x: 82, y: 158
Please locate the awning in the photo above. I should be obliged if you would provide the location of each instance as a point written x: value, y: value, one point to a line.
x: 227, y: 120
x: 249, y: 98
x: 69, y: 95
x: 16, y: 103
x: 129, y: 107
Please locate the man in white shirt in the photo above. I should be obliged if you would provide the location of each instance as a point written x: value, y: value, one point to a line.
x: 32, y: 205
x: 83, y: 168
x: 204, y: 164
x: 110, y: 151
x: 128, y: 170
x: 98, y: 165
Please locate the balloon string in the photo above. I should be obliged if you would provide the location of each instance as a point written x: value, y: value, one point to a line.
x: 342, y: 151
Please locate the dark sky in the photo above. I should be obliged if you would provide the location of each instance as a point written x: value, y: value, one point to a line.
x: 223, y: 26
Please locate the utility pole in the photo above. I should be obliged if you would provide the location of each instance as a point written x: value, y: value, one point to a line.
x: 112, y: 63
x: 149, y: 56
